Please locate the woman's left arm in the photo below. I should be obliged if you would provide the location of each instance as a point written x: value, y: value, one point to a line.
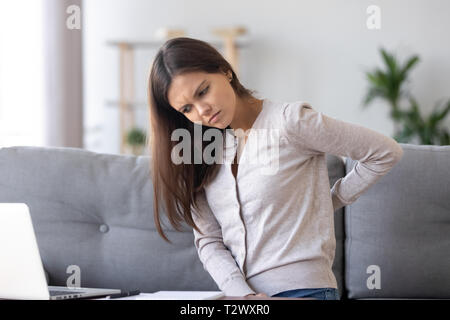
x: 315, y: 133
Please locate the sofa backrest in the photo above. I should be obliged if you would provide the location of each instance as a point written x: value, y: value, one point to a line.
x: 398, y: 232
x: 94, y: 212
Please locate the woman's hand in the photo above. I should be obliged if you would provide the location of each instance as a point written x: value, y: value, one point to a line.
x: 257, y: 295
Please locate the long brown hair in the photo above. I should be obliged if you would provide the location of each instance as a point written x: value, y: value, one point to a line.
x: 176, y: 185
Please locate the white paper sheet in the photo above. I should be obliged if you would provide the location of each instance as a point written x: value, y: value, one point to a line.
x: 174, y: 295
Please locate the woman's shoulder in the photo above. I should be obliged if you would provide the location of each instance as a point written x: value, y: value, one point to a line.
x: 287, y: 108
x: 285, y: 114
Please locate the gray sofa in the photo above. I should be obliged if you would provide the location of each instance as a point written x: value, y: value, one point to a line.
x: 94, y: 211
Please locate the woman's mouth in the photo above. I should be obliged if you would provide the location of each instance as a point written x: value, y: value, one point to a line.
x: 214, y: 118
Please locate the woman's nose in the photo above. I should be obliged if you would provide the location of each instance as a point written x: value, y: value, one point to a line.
x: 204, y: 111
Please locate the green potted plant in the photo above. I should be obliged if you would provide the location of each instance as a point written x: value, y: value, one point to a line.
x: 389, y: 85
x: 136, y: 139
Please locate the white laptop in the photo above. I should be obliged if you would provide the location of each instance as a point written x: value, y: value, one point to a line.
x: 21, y: 270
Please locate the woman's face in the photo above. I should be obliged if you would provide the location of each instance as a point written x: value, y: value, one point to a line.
x: 200, y: 95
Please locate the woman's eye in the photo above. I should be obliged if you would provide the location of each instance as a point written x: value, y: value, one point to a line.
x: 204, y: 91
x: 200, y: 94
x: 184, y: 110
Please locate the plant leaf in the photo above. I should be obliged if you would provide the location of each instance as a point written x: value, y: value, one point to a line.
x: 440, y: 116
x: 408, y: 65
x: 390, y: 62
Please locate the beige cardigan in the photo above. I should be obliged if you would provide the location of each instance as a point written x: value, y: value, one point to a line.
x: 272, y: 230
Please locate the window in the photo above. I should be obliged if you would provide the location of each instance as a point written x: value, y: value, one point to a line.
x: 21, y: 73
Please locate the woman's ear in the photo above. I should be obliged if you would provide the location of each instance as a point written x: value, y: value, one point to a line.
x: 227, y: 73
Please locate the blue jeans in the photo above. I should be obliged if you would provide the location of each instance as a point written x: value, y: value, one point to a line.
x: 319, y: 293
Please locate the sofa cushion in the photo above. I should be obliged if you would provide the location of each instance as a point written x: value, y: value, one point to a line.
x: 398, y: 232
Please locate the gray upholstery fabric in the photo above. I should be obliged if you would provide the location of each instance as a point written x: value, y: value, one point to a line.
x: 402, y: 225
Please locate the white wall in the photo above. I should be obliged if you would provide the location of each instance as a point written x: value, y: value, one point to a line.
x: 315, y: 51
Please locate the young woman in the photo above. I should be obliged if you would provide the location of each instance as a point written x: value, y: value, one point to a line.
x: 258, y: 230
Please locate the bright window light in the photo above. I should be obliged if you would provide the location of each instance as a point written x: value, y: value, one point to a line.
x: 21, y: 73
